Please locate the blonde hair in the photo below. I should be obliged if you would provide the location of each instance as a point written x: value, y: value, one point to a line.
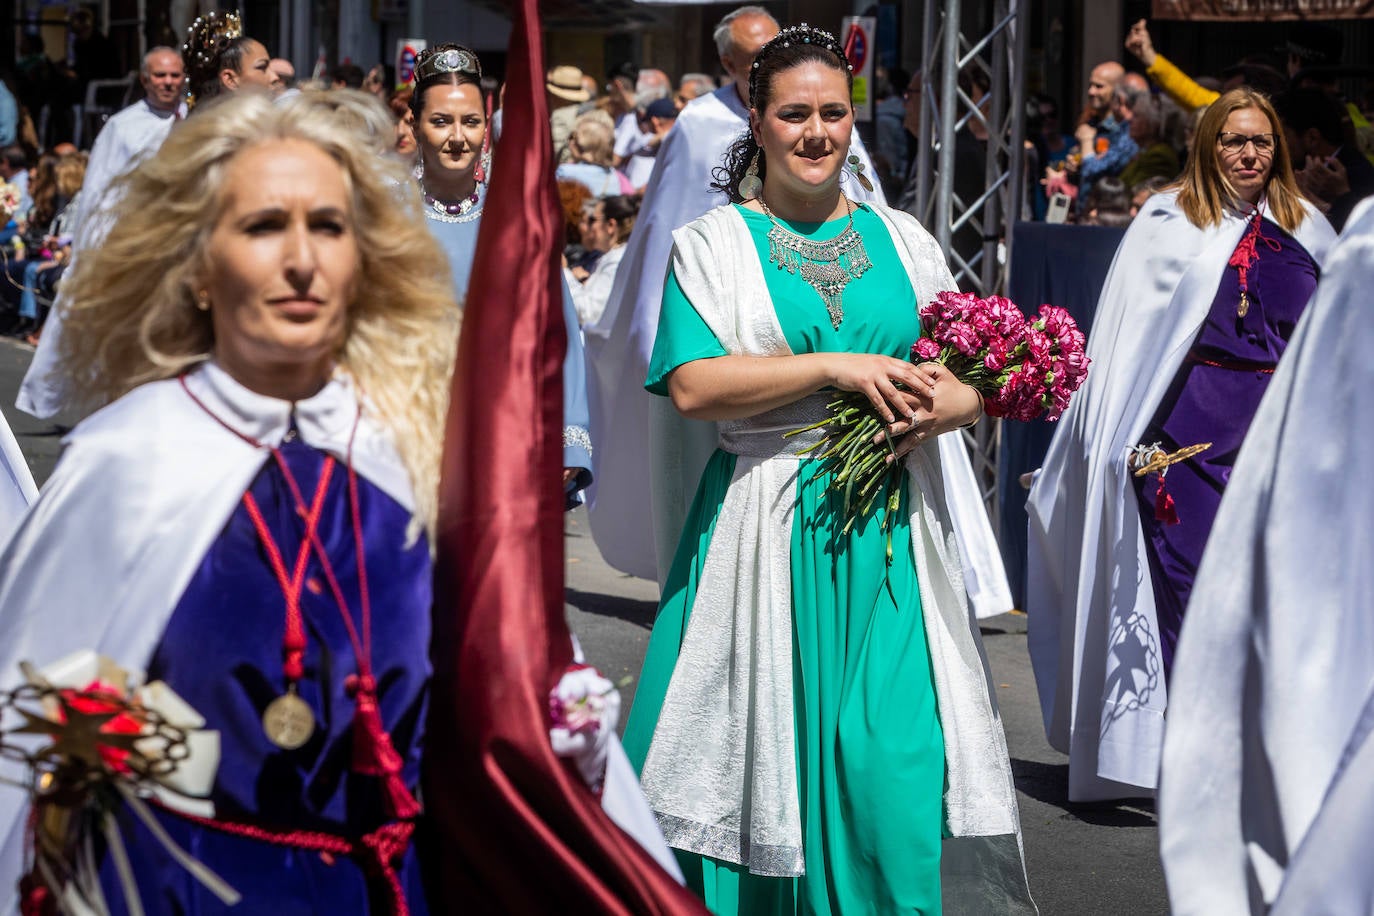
x: 594, y: 135
x: 1205, y: 191
x: 131, y: 316
x: 70, y: 173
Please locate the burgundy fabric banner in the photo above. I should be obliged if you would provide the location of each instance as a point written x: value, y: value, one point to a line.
x: 517, y: 829
x: 1262, y: 10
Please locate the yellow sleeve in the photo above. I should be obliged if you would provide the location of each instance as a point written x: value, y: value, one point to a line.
x: 1179, y: 86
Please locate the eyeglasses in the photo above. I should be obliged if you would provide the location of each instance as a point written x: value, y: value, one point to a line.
x: 1234, y: 143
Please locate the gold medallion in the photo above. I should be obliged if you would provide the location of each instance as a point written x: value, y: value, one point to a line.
x: 288, y: 721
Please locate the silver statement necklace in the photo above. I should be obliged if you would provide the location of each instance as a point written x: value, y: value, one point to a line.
x: 460, y: 211
x: 827, y: 266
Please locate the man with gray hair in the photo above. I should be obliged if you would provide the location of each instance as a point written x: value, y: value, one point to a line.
x: 693, y: 85
x: 126, y: 138
x: 648, y: 458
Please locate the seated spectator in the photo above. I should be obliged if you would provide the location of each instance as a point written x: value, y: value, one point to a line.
x: 591, y: 152
x: 573, y: 198
x: 1107, y: 204
x: 605, y: 227
x: 42, y: 273
x: 1145, y: 190
x: 1051, y: 144
x: 1334, y: 174
x: 1156, y: 157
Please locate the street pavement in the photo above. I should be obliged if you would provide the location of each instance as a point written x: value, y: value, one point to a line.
x: 1081, y: 859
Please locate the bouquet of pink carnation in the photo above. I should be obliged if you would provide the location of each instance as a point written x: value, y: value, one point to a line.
x: 1025, y: 369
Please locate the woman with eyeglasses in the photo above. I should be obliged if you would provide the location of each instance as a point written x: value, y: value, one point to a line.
x: 1203, y: 296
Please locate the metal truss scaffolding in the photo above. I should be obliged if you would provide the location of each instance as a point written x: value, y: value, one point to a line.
x: 999, y: 54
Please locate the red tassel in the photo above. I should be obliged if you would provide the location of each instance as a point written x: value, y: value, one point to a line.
x: 373, y: 752
x: 35, y: 898
x: 1164, y: 505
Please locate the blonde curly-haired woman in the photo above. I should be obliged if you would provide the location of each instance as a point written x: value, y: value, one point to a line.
x: 248, y: 517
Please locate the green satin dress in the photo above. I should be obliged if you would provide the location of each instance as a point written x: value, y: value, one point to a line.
x: 870, y: 752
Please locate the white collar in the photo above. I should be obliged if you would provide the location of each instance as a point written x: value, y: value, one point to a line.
x: 322, y: 420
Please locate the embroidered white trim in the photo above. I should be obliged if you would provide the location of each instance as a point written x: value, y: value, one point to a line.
x: 577, y: 436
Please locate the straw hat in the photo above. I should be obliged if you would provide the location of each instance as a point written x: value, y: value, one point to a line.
x: 566, y: 83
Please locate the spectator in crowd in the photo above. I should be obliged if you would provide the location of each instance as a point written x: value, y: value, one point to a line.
x: 1156, y: 157
x: 42, y: 273
x: 652, y: 84
x: 93, y: 55
x: 1052, y: 146
x: 593, y: 90
x: 286, y: 74
x: 14, y: 169
x: 591, y: 157
x: 36, y: 81
x: 605, y: 228
x: 399, y: 103
x: 1104, y: 141
x: 563, y: 85
x: 378, y: 81
x: 1108, y: 204
x: 1148, y: 188
x: 1334, y: 174
x: 890, y: 148
x: 970, y: 156
x: 579, y: 260
x: 692, y: 85
x: 347, y: 76
x: 659, y: 117
x: 31, y: 225
x: 621, y: 104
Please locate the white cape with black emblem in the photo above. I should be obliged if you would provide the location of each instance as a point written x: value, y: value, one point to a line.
x: 1093, y: 634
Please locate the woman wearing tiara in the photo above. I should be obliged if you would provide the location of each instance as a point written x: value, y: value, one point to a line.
x: 814, y: 725
x: 451, y: 131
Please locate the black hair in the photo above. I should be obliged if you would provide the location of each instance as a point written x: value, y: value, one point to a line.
x: 15, y: 156
x: 442, y: 78
x: 351, y: 75
x: 623, y: 208
x: 790, y: 48
x: 202, y: 70
x: 1109, y: 195
x: 1303, y: 109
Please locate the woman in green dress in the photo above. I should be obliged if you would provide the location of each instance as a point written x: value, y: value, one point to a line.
x: 813, y: 726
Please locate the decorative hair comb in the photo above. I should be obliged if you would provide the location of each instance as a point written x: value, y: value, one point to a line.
x: 446, y: 59
x: 798, y: 34
x: 208, y: 33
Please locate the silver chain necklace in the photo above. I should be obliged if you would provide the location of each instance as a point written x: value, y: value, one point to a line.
x: 827, y: 266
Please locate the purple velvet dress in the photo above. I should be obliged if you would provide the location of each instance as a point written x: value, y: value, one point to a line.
x: 1213, y: 399
x: 222, y: 653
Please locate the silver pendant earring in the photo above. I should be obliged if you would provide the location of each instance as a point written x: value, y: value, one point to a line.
x: 856, y: 166
x: 750, y: 185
